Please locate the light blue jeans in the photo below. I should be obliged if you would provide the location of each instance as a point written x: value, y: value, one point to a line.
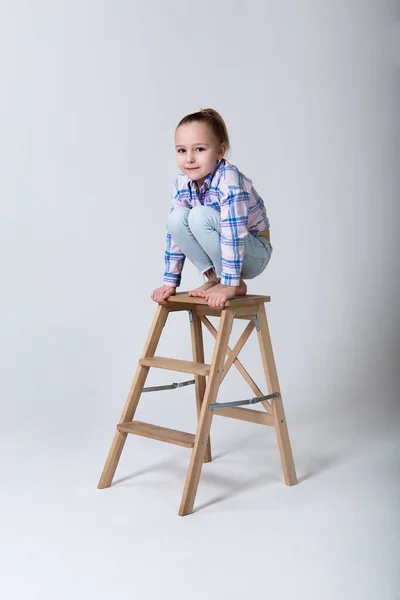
x: 197, y: 233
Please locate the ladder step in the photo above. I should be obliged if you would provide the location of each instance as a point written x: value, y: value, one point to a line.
x: 173, y: 364
x: 172, y: 436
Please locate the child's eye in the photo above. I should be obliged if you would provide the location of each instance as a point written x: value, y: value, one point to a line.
x: 182, y: 150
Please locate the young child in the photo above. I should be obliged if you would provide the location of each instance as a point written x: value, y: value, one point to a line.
x: 217, y: 219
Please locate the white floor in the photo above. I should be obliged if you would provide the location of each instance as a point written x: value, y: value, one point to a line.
x: 335, y: 536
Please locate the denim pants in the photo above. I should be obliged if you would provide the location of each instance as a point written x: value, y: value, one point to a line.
x: 197, y: 233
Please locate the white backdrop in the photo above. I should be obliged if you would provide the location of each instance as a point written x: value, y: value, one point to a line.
x: 91, y: 94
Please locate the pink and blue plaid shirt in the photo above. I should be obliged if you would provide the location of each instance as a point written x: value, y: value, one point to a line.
x: 242, y: 210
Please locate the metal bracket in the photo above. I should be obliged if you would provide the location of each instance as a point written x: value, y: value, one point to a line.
x: 190, y: 316
x: 242, y: 402
x: 256, y: 322
x: 172, y: 386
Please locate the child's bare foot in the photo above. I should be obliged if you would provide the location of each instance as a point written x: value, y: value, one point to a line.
x: 212, y: 280
x: 219, y: 294
x: 202, y: 290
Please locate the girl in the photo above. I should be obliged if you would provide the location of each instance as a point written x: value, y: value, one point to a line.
x: 217, y: 219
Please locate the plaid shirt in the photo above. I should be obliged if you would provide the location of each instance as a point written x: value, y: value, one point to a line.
x: 242, y: 210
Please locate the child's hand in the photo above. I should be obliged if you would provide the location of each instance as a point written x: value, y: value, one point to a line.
x: 161, y: 294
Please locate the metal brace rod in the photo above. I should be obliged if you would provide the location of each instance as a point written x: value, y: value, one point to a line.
x: 242, y: 402
x: 172, y: 386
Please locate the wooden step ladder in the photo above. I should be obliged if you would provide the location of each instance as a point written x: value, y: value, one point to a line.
x: 207, y: 380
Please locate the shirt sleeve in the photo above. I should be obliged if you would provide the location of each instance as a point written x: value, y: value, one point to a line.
x: 234, y: 228
x: 173, y: 256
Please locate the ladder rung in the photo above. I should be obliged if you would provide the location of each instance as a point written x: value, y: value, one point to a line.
x: 155, y: 432
x: 174, y: 364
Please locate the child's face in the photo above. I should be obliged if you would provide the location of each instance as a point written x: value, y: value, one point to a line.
x: 197, y: 151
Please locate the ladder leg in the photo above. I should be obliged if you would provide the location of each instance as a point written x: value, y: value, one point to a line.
x: 271, y: 377
x: 206, y: 415
x: 200, y: 380
x: 112, y: 460
x: 133, y: 397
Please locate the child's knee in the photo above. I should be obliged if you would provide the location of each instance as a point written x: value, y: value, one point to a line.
x: 177, y: 219
x: 203, y: 216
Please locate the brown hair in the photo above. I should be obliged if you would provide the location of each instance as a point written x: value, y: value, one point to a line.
x: 213, y: 120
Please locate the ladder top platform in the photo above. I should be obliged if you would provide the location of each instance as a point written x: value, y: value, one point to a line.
x: 184, y: 298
